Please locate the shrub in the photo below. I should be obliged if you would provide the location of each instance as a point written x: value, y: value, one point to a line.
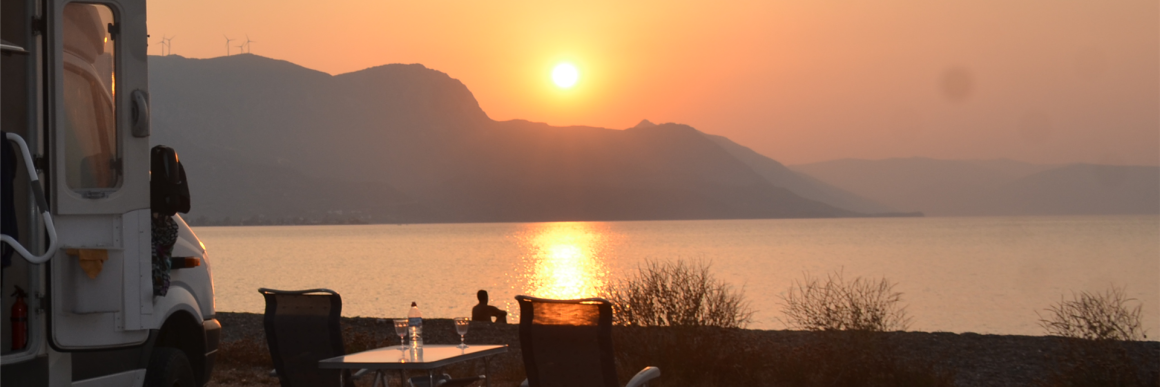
x: 677, y: 294
x: 1096, y: 316
x: 838, y: 305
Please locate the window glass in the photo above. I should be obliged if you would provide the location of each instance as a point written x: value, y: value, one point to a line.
x: 89, y: 123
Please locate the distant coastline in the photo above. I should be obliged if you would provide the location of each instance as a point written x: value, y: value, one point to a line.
x: 202, y: 221
x: 912, y: 214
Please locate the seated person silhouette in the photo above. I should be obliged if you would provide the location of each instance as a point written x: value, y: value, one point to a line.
x: 484, y: 312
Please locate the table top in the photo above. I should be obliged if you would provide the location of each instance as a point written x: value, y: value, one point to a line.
x: 406, y: 358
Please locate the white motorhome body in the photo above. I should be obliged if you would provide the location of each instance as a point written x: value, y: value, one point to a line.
x: 74, y: 91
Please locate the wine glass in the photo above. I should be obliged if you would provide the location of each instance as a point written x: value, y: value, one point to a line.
x: 401, y: 330
x: 461, y: 325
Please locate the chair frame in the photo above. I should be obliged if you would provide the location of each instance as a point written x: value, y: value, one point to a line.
x: 604, y: 338
x: 333, y: 321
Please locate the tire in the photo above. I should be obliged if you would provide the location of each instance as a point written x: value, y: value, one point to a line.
x: 168, y: 367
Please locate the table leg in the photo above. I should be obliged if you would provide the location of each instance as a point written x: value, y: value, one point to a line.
x: 486, y: 372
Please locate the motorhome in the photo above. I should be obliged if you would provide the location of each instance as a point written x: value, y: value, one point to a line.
x: 103, y: 283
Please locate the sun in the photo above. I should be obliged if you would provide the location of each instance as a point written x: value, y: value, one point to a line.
x: 565, y: 75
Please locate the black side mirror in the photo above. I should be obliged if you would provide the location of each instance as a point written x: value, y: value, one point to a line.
x: 168, y: 189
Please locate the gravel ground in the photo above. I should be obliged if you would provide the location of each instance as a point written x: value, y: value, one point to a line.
x: 974, y: 359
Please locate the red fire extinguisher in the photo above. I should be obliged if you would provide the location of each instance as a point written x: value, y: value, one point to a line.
x: 19, y: 321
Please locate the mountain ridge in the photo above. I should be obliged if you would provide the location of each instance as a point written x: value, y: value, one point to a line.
x: 998, y: 187
x: 404, y: 143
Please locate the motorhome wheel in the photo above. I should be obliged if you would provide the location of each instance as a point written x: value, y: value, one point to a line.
x: 169, y: 367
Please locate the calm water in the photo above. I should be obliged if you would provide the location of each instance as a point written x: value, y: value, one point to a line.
x: 987, y: 275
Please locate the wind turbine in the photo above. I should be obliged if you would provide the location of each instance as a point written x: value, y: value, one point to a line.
x: 247, y: 44
x: 241, y: 47
x: 227, y: 45
x: 162, y: 43
x: 169, y: 45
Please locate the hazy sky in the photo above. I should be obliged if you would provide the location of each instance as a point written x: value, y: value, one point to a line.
x: 1049, y: 81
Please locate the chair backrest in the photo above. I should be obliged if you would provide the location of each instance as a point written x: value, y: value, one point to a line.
x: 567, y: 342
x: 303, y: 327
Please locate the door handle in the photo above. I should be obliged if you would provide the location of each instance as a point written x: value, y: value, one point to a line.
x: 140, y: 113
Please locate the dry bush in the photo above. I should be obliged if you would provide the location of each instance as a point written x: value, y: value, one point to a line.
x: 676, y: 293
x: 1096, y: 325
x: 1096, y: 316
x: 838, y: 305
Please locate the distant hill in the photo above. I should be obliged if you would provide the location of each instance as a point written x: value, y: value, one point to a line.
x: 269, y: 141
x: 799, y: 183
x: 995, y: 187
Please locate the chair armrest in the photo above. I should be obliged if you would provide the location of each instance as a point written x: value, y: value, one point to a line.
x: 641, y: 378
x: 296, y: 292
x: 524, y: 383
x: 460, y: 382
x: 359, y: 374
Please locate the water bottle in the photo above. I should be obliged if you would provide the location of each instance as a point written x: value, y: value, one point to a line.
x: 415, y: 324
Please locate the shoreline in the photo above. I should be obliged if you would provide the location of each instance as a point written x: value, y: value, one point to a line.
x: 971, y: 359
x: 284, y: 221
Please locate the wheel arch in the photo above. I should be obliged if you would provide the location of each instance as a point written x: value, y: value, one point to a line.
x: 182, y: 330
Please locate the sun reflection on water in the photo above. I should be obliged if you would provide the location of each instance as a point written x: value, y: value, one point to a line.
x: 563, y: 260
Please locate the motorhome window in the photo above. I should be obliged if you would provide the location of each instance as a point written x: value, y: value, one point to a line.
x: 89, y: 122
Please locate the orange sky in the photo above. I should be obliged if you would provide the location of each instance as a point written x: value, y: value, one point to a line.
x: 1047, y: 81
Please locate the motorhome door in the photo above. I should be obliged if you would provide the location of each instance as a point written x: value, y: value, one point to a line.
x: 100, y: 282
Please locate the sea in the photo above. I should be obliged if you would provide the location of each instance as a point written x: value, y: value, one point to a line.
x: 990, y: 275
